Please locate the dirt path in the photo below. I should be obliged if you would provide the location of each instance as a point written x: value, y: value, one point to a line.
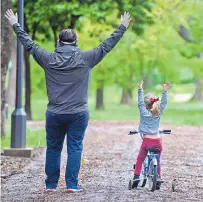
x: 109, y: 154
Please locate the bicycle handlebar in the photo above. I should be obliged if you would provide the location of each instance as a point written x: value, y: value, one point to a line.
x: 161, y: 132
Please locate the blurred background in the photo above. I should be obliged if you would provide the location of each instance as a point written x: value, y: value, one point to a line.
x: 164, y: 42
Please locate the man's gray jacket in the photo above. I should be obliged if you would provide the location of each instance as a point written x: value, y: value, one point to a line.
x: 67, y: 70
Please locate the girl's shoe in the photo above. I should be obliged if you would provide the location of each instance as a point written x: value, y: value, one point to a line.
x: 158, y: 183
x: 50, y: 190
x: 136, y: 180
x: 74, y: 189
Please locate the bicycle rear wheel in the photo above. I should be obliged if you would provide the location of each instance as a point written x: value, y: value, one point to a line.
x: 143, y: 181
x: 152, y: 177
x: 143, y: 177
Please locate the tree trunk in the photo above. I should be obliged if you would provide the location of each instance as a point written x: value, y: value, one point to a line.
x: 27, y: 86
x: 127, y: 96
x: 27, y: 70
x: 199, y: 90
x: 5, y: 56
x: 183, y: 32
x: 11, y: 90
x: 74, y: 19
x: 148, y: 83
x: 100, y: 98
x: 55, y: 36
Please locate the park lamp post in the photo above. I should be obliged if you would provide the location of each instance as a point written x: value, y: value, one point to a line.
x: 18, y: 124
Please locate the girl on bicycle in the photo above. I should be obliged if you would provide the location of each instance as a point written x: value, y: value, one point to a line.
x: 150, y: 114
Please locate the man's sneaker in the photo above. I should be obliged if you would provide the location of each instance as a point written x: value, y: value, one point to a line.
x: 74, y: 189
x: 50, y: 190
x: 158, y: 183
x: 136, y: 181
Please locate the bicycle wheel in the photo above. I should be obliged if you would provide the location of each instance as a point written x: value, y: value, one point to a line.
x: 152, y: 177
x: 143, y: 181
x: 143, y: 177
x: 130, y: 185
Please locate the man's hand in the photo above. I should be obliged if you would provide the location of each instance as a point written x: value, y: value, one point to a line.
x: 166, y: 85
x: 140, y: 84
x: 125, y: 19
x: 11, y: 17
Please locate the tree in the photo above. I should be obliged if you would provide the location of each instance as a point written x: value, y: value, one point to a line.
x: 193, y: 34
x: 5, y: 56
x: 93, y: 35
x: 141, y: 17
x: 185, y: 19
x: 140, y: 12
x: 125, y: 65
x: 103, y: 75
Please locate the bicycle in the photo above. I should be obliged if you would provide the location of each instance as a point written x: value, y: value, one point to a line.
x: 149, y: 171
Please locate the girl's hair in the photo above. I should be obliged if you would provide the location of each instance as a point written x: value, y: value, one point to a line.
x: 152, y: 104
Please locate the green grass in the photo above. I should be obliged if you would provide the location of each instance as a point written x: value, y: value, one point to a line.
x: 35, y: 137
x: 190, y: 113
x: 179, y: 114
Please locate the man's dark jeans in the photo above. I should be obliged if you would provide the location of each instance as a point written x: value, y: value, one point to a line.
x: 57, y: 125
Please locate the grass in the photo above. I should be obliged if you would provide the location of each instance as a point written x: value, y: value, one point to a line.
x: 181, y: 113
x: 34, y: 138
x: 189, y: 113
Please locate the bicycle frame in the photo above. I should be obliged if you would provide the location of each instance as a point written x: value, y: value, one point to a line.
x: 150, y: 157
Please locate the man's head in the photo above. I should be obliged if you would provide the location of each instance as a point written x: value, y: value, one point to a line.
x: 68, y: 36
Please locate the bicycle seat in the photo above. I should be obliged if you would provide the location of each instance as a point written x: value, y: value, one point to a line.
x: 153, y: 149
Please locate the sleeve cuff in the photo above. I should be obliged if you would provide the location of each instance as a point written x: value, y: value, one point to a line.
x: 16, y: 25
x: 122, y: 27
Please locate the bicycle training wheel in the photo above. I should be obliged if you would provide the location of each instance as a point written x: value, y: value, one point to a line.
x: 130, y: 185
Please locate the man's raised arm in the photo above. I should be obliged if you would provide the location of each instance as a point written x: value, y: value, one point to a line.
x: 40, y: 55
x: 94, y: 56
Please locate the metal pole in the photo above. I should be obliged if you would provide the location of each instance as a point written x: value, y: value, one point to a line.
x: 18, y: 124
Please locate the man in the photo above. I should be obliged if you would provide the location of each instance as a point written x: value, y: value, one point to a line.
x: 67, y: 72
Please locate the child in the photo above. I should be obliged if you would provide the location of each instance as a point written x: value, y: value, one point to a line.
x: 150, y: 114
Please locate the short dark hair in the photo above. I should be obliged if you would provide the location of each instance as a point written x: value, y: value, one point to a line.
x: 67, y: 35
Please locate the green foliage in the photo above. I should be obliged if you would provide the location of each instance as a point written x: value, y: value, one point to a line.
x: 92, y: 36
x: 140, y: 13
x: 152, y: 48
x: 188, y: 14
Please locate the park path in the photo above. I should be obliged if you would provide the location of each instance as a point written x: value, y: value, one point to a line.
x: 108, y: 157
